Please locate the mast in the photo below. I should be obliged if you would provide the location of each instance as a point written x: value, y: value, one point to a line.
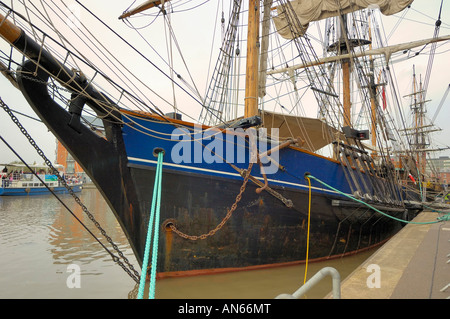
x: 418, y: 109
x: 346, y: 92
x: 345, y: 72
x: 251, y: 80
x: 373, y: 106
x: 264, y: 48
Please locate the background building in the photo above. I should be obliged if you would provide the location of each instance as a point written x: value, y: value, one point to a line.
x: 440, y: 167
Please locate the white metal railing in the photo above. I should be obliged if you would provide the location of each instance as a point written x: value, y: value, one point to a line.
x: 327, y: 271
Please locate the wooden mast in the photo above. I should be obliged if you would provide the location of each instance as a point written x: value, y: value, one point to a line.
x: 252, y: 70
x: 345, y: 73
x: 346, y: 91
x: 373, y: 94
x: 418, y: 108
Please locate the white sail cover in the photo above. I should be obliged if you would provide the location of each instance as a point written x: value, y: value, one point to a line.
x: 307, y: 11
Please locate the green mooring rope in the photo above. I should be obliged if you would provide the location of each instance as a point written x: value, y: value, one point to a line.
x: 154, y: 215
x: 439, y: 219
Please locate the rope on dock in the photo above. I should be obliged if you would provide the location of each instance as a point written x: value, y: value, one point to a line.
x: 154, y: 220
x: 439, y: 219
x: 309, y: 223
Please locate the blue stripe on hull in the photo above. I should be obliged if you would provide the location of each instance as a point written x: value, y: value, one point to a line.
x: 295, y: 162
x: 35, y: 191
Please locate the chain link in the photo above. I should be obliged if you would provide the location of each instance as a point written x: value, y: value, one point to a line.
x: 226, y: 218
x: 130, y: 270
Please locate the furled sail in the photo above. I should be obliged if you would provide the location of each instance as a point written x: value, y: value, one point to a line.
x: 307, y: 11
x: 312, y: 133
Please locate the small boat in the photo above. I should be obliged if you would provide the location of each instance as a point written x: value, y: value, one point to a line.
x: 18, y: 182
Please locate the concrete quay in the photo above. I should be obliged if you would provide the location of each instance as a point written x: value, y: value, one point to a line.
x: 414, y: 264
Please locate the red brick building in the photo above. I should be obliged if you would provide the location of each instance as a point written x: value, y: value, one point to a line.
x: 64, y: 158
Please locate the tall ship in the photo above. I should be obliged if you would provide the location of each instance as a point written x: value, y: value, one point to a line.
x: 291, y: 156
x: 416, y: 163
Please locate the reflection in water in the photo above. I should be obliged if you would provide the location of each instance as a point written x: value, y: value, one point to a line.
x: 39, y: 239
x: 72, y: 242
x: 265, y: 284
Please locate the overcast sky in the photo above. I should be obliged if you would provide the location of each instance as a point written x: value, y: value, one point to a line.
x: 417, y: 24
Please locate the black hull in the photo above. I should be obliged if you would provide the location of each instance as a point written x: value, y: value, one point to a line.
x: 261, y: 232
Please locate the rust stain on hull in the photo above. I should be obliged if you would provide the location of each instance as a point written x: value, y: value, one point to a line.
x: 168, y: 250
x: 202, y: 272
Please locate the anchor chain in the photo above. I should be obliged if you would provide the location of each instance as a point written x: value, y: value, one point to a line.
x: 130, y: 270
x: 224, y: 220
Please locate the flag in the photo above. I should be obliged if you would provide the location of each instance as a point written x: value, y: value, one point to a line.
x: 383, y: 96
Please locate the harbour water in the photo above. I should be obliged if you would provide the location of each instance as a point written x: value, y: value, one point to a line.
x: 41, y: 246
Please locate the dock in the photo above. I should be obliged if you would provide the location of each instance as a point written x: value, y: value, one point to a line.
x: 413, y: 264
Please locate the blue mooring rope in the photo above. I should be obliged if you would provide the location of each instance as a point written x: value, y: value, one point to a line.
x: 154, y: 215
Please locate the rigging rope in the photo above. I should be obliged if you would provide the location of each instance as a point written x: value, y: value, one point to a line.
x: 153, y: 223
x: 439, y: 219
x: 141, y: 54
x: 432, y: 52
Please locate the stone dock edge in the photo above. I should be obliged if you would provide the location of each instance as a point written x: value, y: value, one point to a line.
x: 413, y: 264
